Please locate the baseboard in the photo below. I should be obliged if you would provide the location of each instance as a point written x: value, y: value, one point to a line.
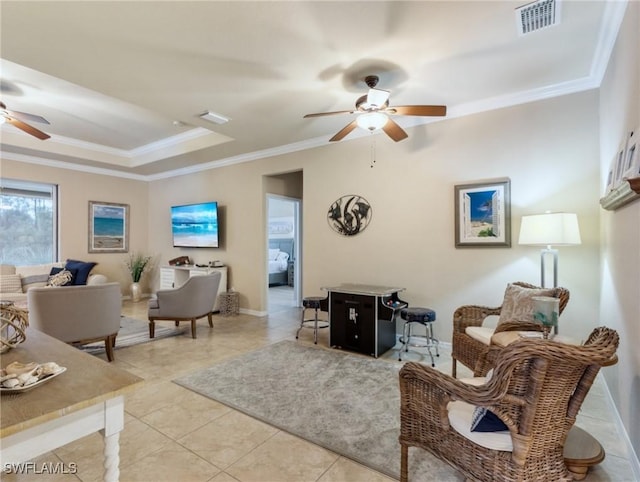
x: 633, y: 457
x: 259, y: 314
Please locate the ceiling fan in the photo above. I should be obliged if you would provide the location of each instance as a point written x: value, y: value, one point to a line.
x: 14, y: 118
x: 373, y: 113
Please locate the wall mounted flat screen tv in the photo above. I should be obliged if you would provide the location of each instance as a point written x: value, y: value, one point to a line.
x: 195, y: 225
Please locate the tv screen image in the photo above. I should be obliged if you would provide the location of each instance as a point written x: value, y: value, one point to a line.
x: 195, y: 225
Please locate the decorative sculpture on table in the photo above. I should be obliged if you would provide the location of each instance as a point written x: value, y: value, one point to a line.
x: 13, y: 326
x: 349, y: 215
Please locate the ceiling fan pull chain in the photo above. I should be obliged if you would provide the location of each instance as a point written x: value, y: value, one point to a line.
x: 373, y: 149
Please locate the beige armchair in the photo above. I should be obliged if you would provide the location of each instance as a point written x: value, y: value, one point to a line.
x: 77, y: 314
x: 192, y: 300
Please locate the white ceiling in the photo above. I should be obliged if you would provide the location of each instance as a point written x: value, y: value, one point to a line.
x: 112, y: 78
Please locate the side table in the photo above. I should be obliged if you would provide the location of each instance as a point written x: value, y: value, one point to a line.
x: 290, y: 272
x: 229, y: 303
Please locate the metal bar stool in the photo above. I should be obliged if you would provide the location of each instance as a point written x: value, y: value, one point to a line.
x: 316, y: 303
x: 424, y: 317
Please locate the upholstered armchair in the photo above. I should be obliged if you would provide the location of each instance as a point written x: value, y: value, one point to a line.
x: 536, y: 390
x: 193, y: 300
x: 471, y: 338
x: 77, y: 314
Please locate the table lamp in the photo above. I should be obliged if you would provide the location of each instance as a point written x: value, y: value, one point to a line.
x: 549, y: 229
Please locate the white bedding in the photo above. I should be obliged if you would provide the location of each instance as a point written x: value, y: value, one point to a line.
x: 278, y: 261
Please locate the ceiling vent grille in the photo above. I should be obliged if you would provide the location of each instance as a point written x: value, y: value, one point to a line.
x: 537, y: 15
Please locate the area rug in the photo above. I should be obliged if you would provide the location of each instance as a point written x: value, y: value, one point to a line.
x: 346, y: 403
x: 134, y: 332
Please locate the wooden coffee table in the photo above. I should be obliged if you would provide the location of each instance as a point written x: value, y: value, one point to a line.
x: 87, y: 398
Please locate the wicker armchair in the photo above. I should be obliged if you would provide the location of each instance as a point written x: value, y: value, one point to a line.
x: 471, y: 352
x: 536, y: 389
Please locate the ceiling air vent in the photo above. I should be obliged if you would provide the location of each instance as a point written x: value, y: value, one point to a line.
x: 537, y: 15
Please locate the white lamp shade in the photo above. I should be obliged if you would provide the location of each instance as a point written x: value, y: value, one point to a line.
x: 372, y: 121
x: 550, y: 229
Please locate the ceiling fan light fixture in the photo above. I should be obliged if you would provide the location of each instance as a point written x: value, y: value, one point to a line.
x: 376, y: 98
x: 372, y: 121
x: 3, y: 119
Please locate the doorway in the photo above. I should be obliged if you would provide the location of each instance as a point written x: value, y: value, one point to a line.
x: 283, y: 253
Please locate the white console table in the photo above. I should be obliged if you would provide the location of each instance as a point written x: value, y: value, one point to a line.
x: 175, y: 276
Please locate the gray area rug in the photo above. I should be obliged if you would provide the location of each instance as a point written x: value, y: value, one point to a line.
x: 346, y: 403
x: 134, y: 332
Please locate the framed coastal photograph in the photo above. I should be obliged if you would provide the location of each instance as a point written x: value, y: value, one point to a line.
x: 619, y: 165
x: 108, y: 227
x: 483, y: 214
x: 611, y: 175
x: 631, y: 167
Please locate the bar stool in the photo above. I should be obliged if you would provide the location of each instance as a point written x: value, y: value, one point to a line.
x: 316, y: 303
x: 424, y: 317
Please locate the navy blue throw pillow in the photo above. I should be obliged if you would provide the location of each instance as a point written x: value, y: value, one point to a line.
x: 484, y: 420
x: 83, y: 269
x: 55, y: 271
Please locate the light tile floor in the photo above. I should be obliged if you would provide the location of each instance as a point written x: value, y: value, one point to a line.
x: 173, y: 434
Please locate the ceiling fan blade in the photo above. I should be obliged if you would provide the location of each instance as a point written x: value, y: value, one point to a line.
x: 28, y: 117
x: 393, y: 130
x: 28, y: 129
x: 320, y: 114
x: 345, y: 130
x: 420, y: 110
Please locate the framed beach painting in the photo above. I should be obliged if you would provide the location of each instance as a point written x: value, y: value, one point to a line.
x: 108, y: 227
x: 483, y: 214
x: 631, y: 167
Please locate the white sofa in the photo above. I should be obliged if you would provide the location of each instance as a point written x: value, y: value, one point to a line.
x: 16, y: 280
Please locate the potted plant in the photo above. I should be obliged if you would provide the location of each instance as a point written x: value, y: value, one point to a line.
x: 137, y: 265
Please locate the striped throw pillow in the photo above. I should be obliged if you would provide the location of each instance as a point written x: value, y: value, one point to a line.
x: 10, y: 283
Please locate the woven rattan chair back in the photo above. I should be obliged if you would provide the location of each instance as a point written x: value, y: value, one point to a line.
x: 471, y: 352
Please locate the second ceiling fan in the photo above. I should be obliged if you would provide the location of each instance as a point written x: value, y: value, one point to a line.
x: 374, y: 113
x: 19, y: 120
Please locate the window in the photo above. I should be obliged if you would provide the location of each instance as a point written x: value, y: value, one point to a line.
x: 28, y: 222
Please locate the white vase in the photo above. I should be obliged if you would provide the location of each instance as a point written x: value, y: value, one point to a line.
x: 136, y: 292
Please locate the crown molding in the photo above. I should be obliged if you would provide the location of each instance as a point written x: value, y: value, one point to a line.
x: 611, y: 22
x: 12, y: 156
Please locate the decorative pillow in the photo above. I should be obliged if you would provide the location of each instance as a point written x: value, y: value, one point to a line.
x: 83, y: 269
x: 60, y: 277
x: 273, y: 254
x: 518, y: 302
x: 282, y: 256
x: 34, y: 281
x: 485, y: 420
x: 10, y: 283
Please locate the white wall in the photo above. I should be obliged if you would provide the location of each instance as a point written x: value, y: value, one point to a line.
x: 549, y: 149
x: 620, y: 233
